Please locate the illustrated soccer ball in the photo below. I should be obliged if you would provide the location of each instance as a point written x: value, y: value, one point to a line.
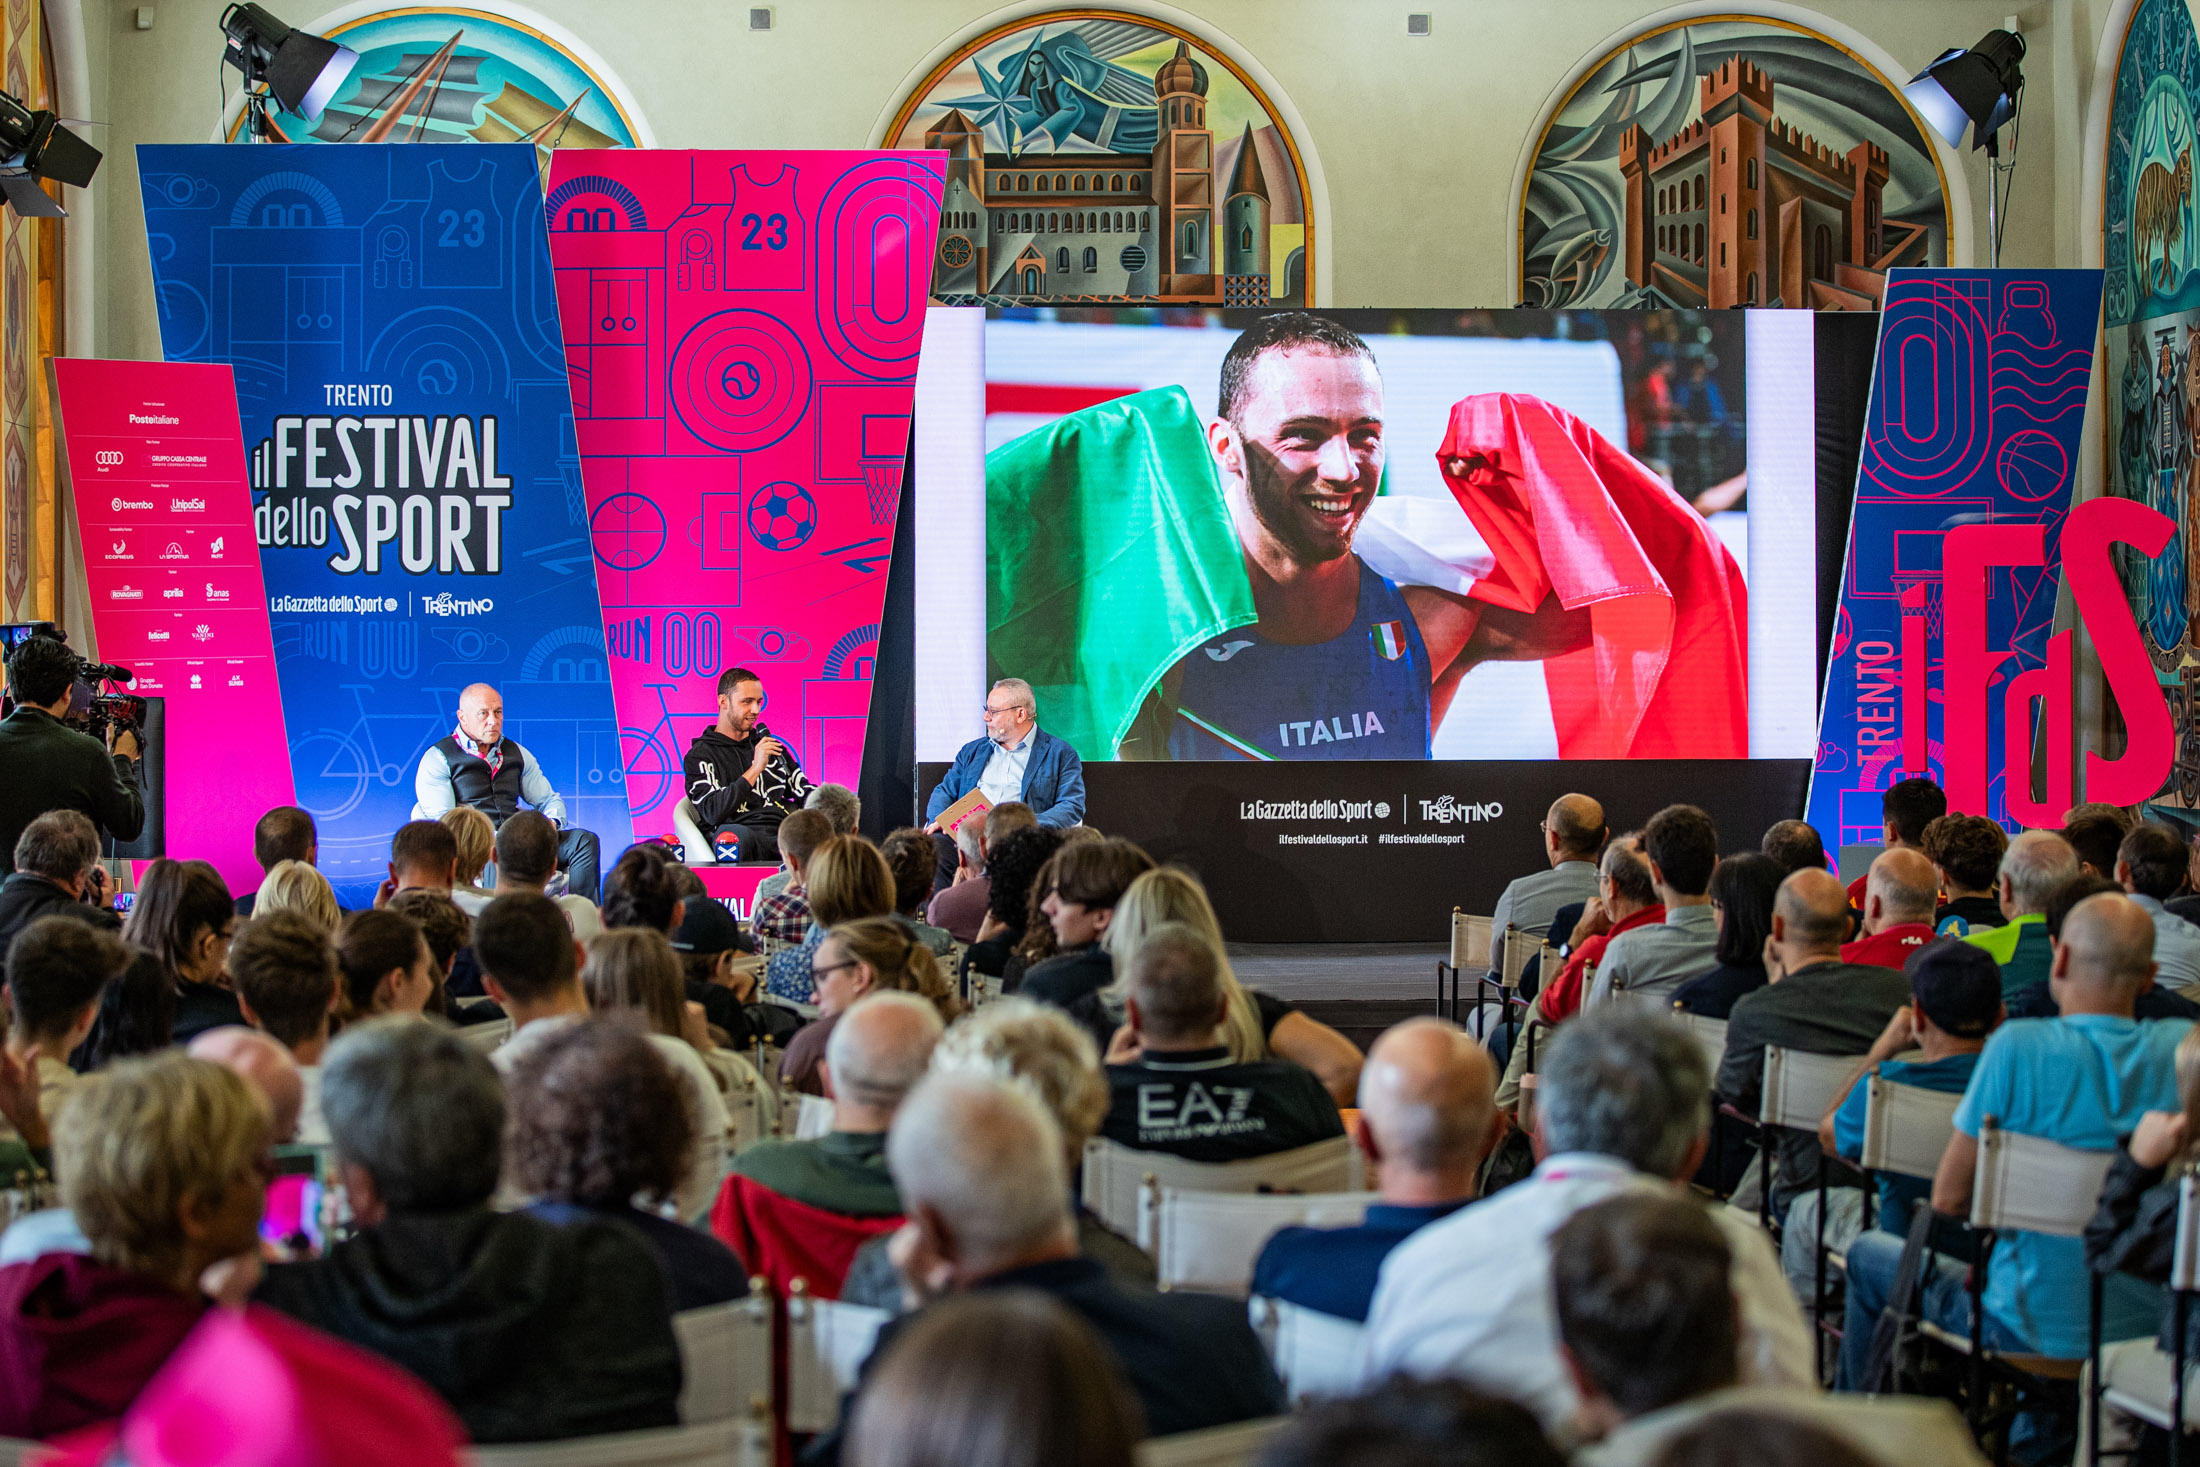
x: 782, y: 516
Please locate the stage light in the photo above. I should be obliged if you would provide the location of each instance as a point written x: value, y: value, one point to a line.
x: 300, y: 70
x: 1976, y: 88
x: 35, y: 146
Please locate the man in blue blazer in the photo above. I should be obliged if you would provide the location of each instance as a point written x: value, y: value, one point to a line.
x: 1016, y: 760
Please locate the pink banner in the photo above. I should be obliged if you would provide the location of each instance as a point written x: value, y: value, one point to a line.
x: 156, y: 461
x: 741, y: 329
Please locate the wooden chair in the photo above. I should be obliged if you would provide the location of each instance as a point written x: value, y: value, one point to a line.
x: 1115, y: 1175
x: 1316, y: 1355
x: 1207, y: 1242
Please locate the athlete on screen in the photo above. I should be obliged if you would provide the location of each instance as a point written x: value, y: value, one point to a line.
x: 1343, y: 663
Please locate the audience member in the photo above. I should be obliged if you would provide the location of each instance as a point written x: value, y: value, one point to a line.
x: 530, y: 1331
x: 1646, y: 1317
x: 1682, y: 846
x: 527, y: 859
x: 716, y: 972
x: 633, y: 973
x: 159, y: 1161
x: 1090, y: 877
x: 600, y: 1129
x: 1619, y: 1109
x: 838, y: 804
x: 980, y: 1165
x: 2037, y: 862
x: 782, y: 914
x: 1573, y: 837
x: 1742, y: 892
x: 1908, y: 806
x: 869, y: 955
x: 641, y: 892
x: 266, y: 1066
x: 1761, y: 1439
x: 294, y: 886
x: 529, y: 964
x: 1428, y: 1118
x: 1011, y: 872
x: 1795, y: 845
x: 2096, y: 835
x: 1261, y: 1026
x: 2083, y: 1080
x: 1413, y: 1423
x: 56, y: 857
x: 57, y: 969
x: 1039, y: 1048
x: 2038, y: 1001
x: 384, y: 965
x: 182, y: 923
x: 476, y: 837
x: 1184, y: 1094
x: 877, y: 1052
x: 846, y: 879
x: 1900, y: 893
x: 961, y: 906
x: 1966, y: 852
x: 2150, y: 865
x: 1932, y: 1043
x: 1002, y: 1379
x: 285, y: 833
x: 1626, y: 900
x: 1814, y: 1002
x: 911, y: 859
x: 423, y: 857
x: 450, y: 935
x: 284, y: 966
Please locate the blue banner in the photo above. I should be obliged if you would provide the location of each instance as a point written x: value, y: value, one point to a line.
x: 1973, y: 425
x: 391, y: 319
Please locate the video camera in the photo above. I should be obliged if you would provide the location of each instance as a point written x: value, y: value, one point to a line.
x: 95, y: 712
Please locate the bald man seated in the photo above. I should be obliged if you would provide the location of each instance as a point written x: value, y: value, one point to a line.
x: 1573, y: 835
x: 477, y: 765
x: 1428, y: 1117
x: 2082, y: 1080
x: 1901, y: 893
x: 1813, y: 1002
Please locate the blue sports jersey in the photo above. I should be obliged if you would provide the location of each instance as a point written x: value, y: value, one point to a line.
x: 1361, y: 695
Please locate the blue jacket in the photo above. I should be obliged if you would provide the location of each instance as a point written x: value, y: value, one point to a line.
x: 1054, y: 779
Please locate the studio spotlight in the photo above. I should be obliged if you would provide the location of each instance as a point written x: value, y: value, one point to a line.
x: 300, y: 70
x: 1982, y: 89
x: 35, y: 146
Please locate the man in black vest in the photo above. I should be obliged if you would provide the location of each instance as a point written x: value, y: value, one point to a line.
x: 478, y: 766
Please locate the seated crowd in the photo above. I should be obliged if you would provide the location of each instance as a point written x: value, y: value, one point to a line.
x: 472, y: 1150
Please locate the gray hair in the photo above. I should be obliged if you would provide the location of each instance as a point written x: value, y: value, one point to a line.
x: 1618, y: 1081
x: 838, y: 804
x: 1022, y: 692
x: 59, y: 845
x: 985, y: 1155
x: 419, y: 1109
x: 2036, y: 863
x: 879, y: 1048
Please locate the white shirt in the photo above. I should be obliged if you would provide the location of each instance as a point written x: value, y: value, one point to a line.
x: 706, y: 1108
x: 1470, y: 1295
x: 1003, y: 779
x: 312, y: 1124
x: 2176, y: 945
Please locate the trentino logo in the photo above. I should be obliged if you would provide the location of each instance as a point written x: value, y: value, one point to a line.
x: 1448, y: 810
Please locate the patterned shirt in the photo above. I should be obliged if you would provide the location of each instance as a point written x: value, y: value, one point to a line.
x: 784, y: 917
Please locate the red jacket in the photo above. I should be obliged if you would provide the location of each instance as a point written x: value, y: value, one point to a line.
x: 79, y: 1340
x: 1562, y: 999
x: 1565, y: 512
x: 1890, y: 948
x: 783, y: 1239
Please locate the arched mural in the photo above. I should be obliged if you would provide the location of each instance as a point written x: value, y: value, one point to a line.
x: 1729, y: 161
x: 1105, y: 158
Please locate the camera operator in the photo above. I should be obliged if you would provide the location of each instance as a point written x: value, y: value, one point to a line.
x: 53, y: 767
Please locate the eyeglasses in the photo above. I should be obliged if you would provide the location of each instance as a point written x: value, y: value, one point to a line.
x: 818, y: 974
x: 993, y: 712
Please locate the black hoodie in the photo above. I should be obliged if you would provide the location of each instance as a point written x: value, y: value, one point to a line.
x: 714, y: 767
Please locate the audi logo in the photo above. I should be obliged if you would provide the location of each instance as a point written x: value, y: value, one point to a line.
x: 108, y: 457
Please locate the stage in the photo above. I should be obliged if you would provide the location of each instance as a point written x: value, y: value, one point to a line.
x: 1359, y: 989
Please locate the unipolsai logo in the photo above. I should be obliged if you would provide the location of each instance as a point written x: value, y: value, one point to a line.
x: 1450, y: 810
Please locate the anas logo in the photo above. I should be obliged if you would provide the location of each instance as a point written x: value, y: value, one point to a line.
x: 1227, y: 651
x: 1448, y: 811
x: 443, y: 603
x: 215, y: 593
x: 201, y: 633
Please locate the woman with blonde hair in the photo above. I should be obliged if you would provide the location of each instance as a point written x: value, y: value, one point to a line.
x: 477, y: 847
x: 846, y: 878
x: 1259, y: 1026
x: 296, y: 886
x: 866, y: 956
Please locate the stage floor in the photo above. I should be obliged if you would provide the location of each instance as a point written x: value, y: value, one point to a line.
x: 1359, y: 989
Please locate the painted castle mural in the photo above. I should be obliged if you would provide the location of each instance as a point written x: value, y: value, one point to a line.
x: 1108, y: 160
x: 1729, y: 163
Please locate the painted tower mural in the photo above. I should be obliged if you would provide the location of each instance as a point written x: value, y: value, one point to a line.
x: 1107, y: 159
